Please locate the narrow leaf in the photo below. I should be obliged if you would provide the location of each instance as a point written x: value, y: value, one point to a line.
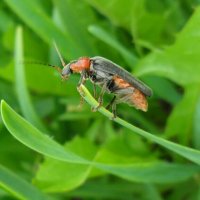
x: 180, y: 61
x: 33, y: 138
x: 186, y: 152
x: 103, y: 35
x: 141, y: 172
x: 21, y: 87
x: 18, y: 187
x: 32, y: 14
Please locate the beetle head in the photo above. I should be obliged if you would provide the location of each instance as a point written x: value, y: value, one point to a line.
x: 67, y: 71
x: 75, y: 66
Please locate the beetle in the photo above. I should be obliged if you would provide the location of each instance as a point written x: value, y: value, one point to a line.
x: 111, y: 78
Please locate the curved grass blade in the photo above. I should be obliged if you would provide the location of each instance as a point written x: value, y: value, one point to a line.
x: 186, y: 152
x: 18, y: 187
x: 141, y: 172
x: 152, y: 172
x: 33, y: 138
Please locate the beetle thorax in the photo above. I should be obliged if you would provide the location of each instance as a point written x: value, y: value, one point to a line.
x: 80, y: 65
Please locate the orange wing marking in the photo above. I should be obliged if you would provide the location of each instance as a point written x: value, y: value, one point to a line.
x: 137, y: 99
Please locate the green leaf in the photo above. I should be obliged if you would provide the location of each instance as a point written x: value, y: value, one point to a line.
x: 164, y: 18
x: 180, y: 121
x: 196, y: 125
x: 45, y: 75
x: 71, y: 116
x: 141, y: 17
x: 32, y: 14
x: 35, y: 17
x: 141, y: 172
x: 42, y: 143
x: 21, y: 88
x: 75, y: 12
x: 106, y: 37
x: 186, y: 152
x: 10, y: 148
x: 178, y: 62
x: 67, y: 176
x: 5, y: 22
x: 152, y: 172
x: 163, y: 87
x: 113, y: 10
x: 18, y: 187
x: 117, y: 190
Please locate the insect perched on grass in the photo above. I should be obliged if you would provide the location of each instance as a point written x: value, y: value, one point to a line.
x: 111, y: 78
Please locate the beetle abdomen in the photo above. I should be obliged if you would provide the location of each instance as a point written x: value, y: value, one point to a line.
x: 139, y: 100
x: 128, y: 94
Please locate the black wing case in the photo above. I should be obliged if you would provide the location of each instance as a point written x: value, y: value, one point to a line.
x: 105, y: 65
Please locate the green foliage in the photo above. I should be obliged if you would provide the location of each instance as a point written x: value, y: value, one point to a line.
x: 18, y: 187
x: 56, y: 150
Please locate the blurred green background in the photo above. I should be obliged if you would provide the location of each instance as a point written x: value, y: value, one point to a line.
x: 158, y: 41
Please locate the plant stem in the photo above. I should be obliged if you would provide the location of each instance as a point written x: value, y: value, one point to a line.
x: 186, y: 152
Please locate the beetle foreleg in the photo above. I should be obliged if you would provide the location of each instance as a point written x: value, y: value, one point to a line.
x: 82, y: 81
x: 83, y: 78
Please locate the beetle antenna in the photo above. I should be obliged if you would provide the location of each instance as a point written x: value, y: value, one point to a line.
x: 42, y: 63
x: 59, y: 54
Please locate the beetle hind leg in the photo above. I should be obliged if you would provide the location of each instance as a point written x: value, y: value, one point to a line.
x: 114, y: 110
x: 112, y: 104
x: 95, y: 91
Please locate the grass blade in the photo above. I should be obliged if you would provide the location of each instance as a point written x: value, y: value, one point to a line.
x: 140, y: 172
x: 18, y: 187
x: 33, y: 137
x: 21, y: 87
x: 32, y: 14
x: 186, y: 152
x: 100, y: 33
x: 74, y: 11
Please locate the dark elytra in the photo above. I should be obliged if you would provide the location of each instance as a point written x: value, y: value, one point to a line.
x: 107, y: 66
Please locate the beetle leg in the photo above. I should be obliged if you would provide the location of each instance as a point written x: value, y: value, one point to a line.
x: 83, y: 78
x: 82, y: 81
x: 95, y: 90
x: 114, y: 110
x: 111, y: 103
x: 100, y: 99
